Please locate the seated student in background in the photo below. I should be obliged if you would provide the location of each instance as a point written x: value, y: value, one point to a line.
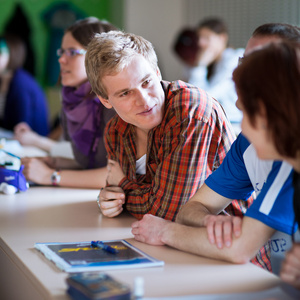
x: 166, y: 137
x: 21, y: 97
x: 215, y: 62
x: 241, y: 172
x: 83, y: 118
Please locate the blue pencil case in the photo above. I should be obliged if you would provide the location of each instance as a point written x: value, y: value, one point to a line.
x: 96, y: 286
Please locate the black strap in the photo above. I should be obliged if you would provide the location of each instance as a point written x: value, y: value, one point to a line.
x: 296, y: 200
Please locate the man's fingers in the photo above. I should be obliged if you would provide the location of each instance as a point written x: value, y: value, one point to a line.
x: 110, y: 204
x: 211, y: 233
x: 237, y: 226
x: 219, y: 234
x: 227, y: 234
x: 111, y: 208
x: 107, y: 195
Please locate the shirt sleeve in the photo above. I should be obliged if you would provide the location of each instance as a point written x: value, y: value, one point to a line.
x: 274, y: 204
x: 190, y: 151
x: 231, y: 179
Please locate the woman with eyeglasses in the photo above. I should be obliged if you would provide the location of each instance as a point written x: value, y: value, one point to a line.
x: 83, y: 117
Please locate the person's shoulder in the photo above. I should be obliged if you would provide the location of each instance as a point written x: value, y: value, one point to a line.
x: 25, y: 80
x: 241, y: 149
x: 242, y: 142
x: 230, y: 57
x: 231, y: 52
x: 23, y: 74
x: 116, y: 126
x: 187, y: 100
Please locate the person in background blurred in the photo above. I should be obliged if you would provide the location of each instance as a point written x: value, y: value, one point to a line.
x: 21, y: 97
x: 186, y: 47
x: 213, y: 66
x: 83, y: 117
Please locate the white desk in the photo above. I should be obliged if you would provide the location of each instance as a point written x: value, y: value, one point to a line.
x: 46, y: 214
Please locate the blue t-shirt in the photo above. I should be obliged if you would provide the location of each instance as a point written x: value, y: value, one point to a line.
x: 242, y: 172
x: 26, y: 102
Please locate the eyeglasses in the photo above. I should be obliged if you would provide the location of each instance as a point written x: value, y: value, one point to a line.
x: 70, y: 52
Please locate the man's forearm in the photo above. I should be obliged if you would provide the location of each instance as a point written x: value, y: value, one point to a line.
x: 204, y: 202
x: 195, y: 240
x: 192, y: 214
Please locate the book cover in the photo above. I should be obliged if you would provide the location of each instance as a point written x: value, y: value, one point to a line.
x: 82, y: 257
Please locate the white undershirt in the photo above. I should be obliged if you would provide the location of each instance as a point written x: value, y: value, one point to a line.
x: 140, y: 165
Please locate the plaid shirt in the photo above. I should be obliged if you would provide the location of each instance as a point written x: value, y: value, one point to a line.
x: 189, y: 144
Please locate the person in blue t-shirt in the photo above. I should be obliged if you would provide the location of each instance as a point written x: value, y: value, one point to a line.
x: 198, y: 228
x: 271, y: 122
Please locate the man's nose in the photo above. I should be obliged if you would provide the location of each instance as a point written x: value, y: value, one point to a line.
x: 142, y: 98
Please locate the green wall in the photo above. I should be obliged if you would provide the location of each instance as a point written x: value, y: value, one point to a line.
x: 111, y: 10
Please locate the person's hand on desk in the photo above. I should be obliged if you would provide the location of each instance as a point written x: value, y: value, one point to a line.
x: 25, y: 135
x: 114, y: 173
x: 37, y: 170
x: 150, y: 230
x: 111, y: 200
x: 221, y: 229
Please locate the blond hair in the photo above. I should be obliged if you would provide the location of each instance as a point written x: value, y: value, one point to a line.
x: 110, y: 52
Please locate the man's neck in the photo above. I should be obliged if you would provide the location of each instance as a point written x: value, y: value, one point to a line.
x: 295, y: 162
x: 141, y: 142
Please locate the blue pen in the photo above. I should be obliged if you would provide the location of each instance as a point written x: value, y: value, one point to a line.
x: 104, y: 247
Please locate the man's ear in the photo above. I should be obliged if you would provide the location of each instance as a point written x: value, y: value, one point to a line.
x: 105, y: 102
x: 158, y: 73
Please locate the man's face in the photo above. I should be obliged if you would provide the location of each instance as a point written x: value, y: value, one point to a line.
x: 136, y: 94
x: 258, y: 135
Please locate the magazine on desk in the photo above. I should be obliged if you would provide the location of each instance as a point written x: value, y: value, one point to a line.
x: 82, y: 256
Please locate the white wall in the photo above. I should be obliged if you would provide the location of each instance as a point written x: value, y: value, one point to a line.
x: 157, y: 21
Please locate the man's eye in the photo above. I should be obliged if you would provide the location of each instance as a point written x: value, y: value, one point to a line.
x: 124, y: 94
x: 146, y: 82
